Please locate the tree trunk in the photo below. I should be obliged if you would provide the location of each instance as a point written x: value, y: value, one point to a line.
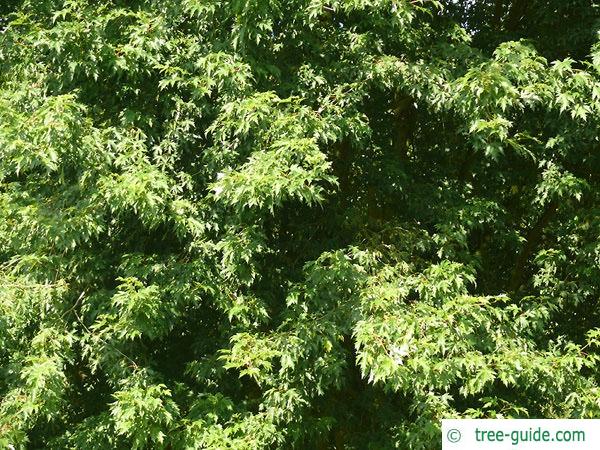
x: 533, y: 239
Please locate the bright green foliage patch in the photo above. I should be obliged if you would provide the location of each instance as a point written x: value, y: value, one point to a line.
x: 306, y: 224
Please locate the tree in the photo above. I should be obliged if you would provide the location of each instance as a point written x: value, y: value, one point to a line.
x: 302, y: 224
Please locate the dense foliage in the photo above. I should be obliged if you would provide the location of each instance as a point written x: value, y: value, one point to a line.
x: 306, y: 224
